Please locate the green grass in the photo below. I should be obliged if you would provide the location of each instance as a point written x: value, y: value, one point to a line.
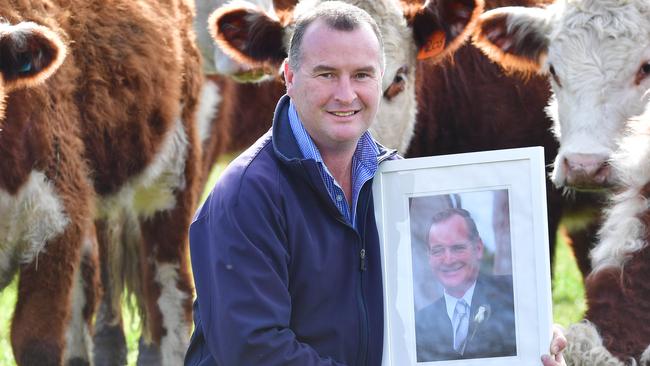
x: 568, y: 290
x: 568, y: 298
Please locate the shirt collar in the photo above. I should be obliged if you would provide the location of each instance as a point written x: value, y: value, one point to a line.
x: 451, y: 301
x: 366, y: 152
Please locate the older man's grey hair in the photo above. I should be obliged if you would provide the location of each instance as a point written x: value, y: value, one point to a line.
x: 336, y: 15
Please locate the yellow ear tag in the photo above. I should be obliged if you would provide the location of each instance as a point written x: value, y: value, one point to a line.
x: 434, y: 46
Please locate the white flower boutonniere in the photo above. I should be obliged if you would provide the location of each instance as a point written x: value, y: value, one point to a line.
x: 482, y: 315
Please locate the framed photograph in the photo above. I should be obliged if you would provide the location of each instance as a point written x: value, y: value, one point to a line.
x: 465, y: 259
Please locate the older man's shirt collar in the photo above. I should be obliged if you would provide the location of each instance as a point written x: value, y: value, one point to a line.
x: 451, y: 301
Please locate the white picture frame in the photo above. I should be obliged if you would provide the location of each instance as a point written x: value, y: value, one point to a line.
x: 511, y: 182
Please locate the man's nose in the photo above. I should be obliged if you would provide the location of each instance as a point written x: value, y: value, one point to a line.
x: 345, y: 92
x: 447, y: 256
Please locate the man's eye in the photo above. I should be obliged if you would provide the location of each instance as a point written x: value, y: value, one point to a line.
x: 437, y: 251
x: 326, y: 75
x: 458, y: 248
x: 362, y: 75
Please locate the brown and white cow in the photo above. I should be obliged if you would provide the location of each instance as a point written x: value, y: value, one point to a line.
x: 597, y: 55
x: 46, y: 198
x: 594, y: 54
x: 463, y: 103
x: 103, y: 154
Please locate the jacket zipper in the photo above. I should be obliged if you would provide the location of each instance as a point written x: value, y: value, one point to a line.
x: 363, y: 349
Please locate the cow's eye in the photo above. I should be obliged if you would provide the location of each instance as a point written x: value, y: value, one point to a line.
x: 643, y: 72
x: 645, y: 68
x: 398, y: 85
x: 551, y: 69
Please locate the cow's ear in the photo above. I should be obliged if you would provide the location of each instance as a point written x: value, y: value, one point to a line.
x: 29, y: 54
x: 248, y: 34
x: 515, y: 37
x: 284, y: 5
x: 441, y: 26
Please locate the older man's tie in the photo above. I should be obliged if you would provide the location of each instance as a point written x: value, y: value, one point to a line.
x: 460, y: 323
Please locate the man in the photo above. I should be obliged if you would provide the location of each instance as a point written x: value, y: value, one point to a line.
x: 475, y: 316
x: 285, y: 251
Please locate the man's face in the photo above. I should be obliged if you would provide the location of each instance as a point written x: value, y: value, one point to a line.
x: 454, y: 259
x: 337, y: 87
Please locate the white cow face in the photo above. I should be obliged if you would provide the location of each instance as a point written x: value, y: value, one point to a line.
x: 433, y: 31
x: 596, y: 54
x: 29, y: 54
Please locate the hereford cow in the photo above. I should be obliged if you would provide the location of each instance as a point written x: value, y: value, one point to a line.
x: 46, y: 198
x: 464, y: 103
x: 103, y: 154
x: 596, y: 54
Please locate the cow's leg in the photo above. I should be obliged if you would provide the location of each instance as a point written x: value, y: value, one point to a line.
x: 109, y: 340
x: 555, y: 208
x: 84, y: 300
x: 582, y: 240
x: 167, y: 286
x: 44, y: 296
x: 582, y: 223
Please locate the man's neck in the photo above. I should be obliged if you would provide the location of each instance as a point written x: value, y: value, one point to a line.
x: 339, y: 164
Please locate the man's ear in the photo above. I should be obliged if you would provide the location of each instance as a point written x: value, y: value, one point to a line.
x: 515, y: 37
x: 440, y: 27
x: 248, y: 34
x: 29, y: 54
x: 287, y: 73
x: 480, y: 247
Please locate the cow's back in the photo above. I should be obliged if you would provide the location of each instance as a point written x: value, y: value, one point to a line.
x: 133, y: 55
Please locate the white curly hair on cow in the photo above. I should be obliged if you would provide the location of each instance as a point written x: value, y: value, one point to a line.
x: 585, y: 347
x: 596, y: 54
x: 622, y: 233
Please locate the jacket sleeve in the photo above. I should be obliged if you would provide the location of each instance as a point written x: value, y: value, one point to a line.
x: 241, y: 271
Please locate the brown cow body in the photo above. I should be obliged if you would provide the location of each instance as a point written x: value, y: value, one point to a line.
x: 235, y: 121
x: 104, y: 152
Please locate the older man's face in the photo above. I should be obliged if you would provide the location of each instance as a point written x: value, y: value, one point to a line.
x: 337, y: 87
x: 453, y: 257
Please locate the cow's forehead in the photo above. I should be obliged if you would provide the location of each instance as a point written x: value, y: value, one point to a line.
x: 601, y: 21
x: 599, y: 37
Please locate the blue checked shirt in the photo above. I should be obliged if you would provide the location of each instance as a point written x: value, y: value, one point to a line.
x: 364, y: 165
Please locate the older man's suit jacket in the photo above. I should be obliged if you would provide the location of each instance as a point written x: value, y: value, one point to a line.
x: 493, y: 337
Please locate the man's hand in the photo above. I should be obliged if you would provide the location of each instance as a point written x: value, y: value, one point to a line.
x: 558, y: 344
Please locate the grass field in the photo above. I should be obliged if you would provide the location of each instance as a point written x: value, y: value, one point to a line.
x: 568, y: 300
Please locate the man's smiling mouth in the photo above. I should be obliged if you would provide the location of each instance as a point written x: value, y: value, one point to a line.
x: 344, y: 114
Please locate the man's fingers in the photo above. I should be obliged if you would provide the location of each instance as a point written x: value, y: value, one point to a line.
x: 559, y: 342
